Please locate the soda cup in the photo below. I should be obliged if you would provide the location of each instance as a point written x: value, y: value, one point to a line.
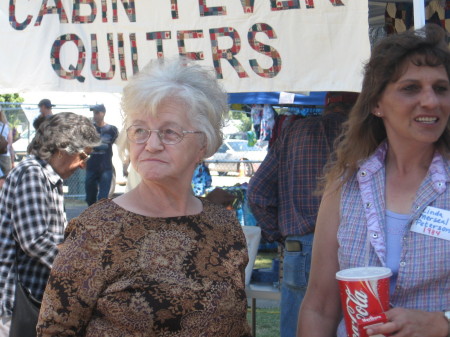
x: 365, y: 297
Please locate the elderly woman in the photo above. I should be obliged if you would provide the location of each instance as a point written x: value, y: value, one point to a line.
x: 32, y: 214
x: 391, y: 168
x: 156, y: 261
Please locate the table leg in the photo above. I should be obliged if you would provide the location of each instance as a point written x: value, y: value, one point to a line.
x: 254, y: 317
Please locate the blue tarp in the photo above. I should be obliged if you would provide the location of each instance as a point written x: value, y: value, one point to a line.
x: 314, y: 98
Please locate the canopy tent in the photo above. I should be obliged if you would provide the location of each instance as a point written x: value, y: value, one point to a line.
x: 69, y: 46
x: 322, y: 78
x: 313, y: 98
x: 377, y: 16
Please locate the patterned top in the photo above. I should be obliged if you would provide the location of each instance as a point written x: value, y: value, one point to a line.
x: 281, y: 193
x: 124, y: 274
x: 32, y: 215
x: 423, y: 281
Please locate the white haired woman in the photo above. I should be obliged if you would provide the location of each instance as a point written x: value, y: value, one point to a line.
x: 32, y: 218
x: 156, y: 261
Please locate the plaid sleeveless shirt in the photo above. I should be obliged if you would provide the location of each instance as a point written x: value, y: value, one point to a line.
x: 424, y: 273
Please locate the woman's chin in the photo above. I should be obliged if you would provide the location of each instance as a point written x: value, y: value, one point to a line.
x: 154, y: 177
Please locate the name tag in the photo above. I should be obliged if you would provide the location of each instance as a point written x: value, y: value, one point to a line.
x: 433, y: 222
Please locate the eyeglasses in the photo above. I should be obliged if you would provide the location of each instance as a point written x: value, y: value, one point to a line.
x: 84, y: 157
x: 169, y: 136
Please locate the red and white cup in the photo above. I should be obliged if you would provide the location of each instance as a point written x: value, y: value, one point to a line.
x: 365, y: 298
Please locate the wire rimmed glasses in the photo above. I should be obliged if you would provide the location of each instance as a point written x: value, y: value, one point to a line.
x: 84, y: 157
x: 169, y: 136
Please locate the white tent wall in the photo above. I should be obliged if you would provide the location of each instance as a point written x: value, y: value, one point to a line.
x: 323, y: 43
x: 376, y: 19
x: 265, y: 46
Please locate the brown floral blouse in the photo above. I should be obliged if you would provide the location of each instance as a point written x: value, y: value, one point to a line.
x: 123, y: 274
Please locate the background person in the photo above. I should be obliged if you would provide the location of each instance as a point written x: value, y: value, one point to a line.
x: 157, y: 260
x: 32, y: 217
x: 201, y: 179
x: 100, y: 169
x: 45, y: 108
x: 392, y: 164
x: 2, y: 178
x: 6, y: 159
x: 282, y: 199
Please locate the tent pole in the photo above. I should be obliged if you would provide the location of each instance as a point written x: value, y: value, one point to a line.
x: 419, y: 13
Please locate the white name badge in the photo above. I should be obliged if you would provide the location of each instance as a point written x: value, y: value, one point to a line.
x: 433, y: 222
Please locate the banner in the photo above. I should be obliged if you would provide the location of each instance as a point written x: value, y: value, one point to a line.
x: 252, y: 45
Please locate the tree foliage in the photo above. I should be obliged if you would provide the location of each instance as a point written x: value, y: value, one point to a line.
x: 246, y: 123
x: 13, y: 111
x: 13, y: 98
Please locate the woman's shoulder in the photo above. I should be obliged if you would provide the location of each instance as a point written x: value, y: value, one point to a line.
x: 219, y: 215
x: 104, y: 210
x: 29, y: 168
x: 222, y: 223
x: 101, y: 220
x: 213, y: 208
x: 442, y: 158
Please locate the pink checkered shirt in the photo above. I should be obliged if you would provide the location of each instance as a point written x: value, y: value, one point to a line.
x: 424, y: 273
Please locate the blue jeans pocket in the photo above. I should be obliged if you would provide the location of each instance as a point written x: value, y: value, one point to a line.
x: 296, y: 266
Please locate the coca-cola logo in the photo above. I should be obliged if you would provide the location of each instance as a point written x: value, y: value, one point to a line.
x: 357, y: 304
x: 372, y: 318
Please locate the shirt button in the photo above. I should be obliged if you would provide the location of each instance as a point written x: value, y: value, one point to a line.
x: 363, y: 173
x: 368, y: 205
x: 375, y: 235
x: 402, y: 264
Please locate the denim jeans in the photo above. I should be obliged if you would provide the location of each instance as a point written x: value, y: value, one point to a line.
x: 97, y: 185
x: 296, y: 267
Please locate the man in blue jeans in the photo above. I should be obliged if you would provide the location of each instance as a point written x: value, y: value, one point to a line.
x: 99, y: 169
x: 283, y: 201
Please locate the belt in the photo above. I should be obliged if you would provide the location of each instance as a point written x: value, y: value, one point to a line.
x: 293, y: 246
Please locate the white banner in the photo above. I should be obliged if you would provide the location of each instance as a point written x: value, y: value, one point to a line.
x: 253, y: 45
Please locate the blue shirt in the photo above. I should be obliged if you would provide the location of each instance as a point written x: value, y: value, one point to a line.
x: 101, y: 156
x: 395, y: 231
